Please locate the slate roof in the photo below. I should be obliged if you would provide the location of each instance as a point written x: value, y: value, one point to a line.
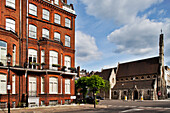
x: 142, y: 84
x: 105, y: 73
x: 140, y: 67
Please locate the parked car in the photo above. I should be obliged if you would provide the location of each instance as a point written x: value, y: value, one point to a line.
x: 90, y: 100
x: 99, y: 97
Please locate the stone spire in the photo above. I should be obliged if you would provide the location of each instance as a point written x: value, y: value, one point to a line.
x: 161, y: 48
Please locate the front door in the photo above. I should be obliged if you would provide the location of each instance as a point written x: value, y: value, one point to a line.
x: 135, y: 95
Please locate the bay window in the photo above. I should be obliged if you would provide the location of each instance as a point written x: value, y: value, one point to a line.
x: 32, y: 55
x: 10, y: 24
x: 3, y: 51
x: 3, y: 84
x: 67, y: 61
x: 53, y: 59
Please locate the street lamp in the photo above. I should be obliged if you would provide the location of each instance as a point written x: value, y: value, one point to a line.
x: 8, y: 56
x: 94, y: 92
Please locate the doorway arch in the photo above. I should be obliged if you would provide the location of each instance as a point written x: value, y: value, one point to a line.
x: 135, y: 95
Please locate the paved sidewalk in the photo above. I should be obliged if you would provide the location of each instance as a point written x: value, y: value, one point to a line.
x: 53, y: 109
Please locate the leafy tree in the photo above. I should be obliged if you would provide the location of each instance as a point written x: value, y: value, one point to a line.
x: 83, y: 84
x: 96, y: 82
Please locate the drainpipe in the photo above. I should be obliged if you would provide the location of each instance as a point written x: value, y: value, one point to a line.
x: 27, y: 56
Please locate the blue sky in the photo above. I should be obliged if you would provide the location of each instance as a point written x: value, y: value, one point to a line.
x: 112, y: 31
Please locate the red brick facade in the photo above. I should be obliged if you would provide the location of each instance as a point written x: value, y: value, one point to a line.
x: 23, y: 43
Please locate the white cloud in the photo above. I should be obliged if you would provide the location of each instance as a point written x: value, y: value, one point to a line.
x: 86, y: 48
x: 122, y: 11
x: 140, y: 37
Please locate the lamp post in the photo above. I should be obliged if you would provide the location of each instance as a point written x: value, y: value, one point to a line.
x: 94, y: 91
x: 8, y: 56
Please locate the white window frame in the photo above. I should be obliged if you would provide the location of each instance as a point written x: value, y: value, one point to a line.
x: 56, y: 2
x: 53, y: 59
x: 67, y: 86
x: 32, y: 9
x: 3, y: 51
x: 10, y: 24
x: 13, y: 84
x: 32, y: 86
x: 45, y: 33
x: 42, y: 57
x: 67, y: 40
x: 46, y: 14
x: 3, y: 84
x: 53, y: 85
x: 32, y: 53
x: 61, y: 86
x: 57, y: 18
x: 61, y: 60
x: 32, y: 31
x: 14, y: 55
x: 67, y: 22
x: 10, y: 3
x: 67, y: 61
x: 57, y: 36
x: 42, y: 85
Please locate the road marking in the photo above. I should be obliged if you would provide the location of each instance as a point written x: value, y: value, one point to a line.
x: 130, y: 110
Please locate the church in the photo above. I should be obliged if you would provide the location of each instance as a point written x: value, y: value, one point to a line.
x: 141, y: 79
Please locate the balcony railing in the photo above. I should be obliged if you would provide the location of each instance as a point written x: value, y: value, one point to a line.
x: 56, y: 41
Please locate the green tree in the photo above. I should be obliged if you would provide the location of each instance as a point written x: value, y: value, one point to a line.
x: 96, y: 82
x: 82, y: 83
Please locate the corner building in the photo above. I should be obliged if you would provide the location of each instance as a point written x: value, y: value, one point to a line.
x: 40, y: 37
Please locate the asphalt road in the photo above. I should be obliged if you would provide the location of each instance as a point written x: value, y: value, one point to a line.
x: 105, y: 106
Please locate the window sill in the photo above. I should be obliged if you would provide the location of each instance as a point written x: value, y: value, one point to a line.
x: 33, y: 15
x: 10, y: 7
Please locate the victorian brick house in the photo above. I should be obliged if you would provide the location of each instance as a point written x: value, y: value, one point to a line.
x: 40, y: 37
x: 142, y: 78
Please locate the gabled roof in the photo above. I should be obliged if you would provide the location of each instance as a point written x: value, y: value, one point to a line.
x: 142, y: 84
x: 140, y: 67
x: 105, y: 73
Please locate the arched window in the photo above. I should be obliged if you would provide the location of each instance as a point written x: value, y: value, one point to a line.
x: 3, y: 51
x: 32, y: 31
x: 56, y: 36
x: 45, y: 33
x: 53, y: 85
x: 10, y: 24
x: 53, y: 59
x: 33, y: 9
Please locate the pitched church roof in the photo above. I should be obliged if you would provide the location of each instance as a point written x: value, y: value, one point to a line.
x: 140, y: 67
x: 142, y: 84
x: 105, y: 73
